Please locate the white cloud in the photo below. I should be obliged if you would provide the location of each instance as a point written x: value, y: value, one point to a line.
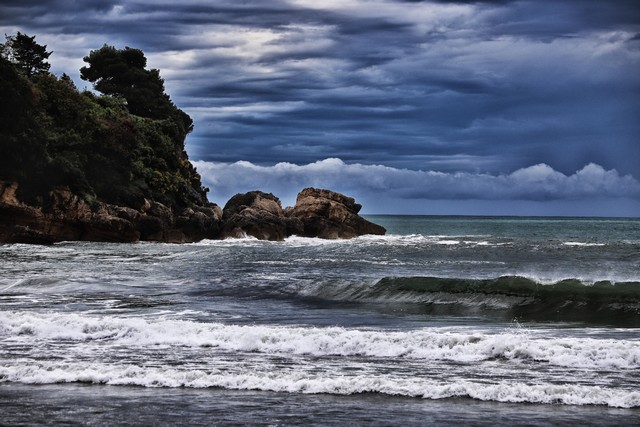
x: 254, y: 110
x: 535, y: 183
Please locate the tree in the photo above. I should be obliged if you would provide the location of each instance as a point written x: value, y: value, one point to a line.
x: 28, y: 55
x: 53, y: 135
x: 22, y: 153
x: 122, y: 73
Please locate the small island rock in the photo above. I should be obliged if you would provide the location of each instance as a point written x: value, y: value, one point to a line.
x: 330, y: 215
x: 259, y: 215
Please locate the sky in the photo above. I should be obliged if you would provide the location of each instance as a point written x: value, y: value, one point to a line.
x: 494, y: 107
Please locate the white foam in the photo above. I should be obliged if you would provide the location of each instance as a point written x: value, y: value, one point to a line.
x: 164, y: 352
x: 449, y: 242
x: 366, y: 240
x: 422, y: 344
x: 582, y: 244
x: 317, y: 382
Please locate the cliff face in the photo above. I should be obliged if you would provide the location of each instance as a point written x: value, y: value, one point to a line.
x: 62, y: 215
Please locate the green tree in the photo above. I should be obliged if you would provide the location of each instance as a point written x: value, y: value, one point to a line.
x: 123, y: 73
x: 28, y: 55
x: 53, y: 135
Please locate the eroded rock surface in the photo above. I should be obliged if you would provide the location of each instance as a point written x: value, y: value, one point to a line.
x: 259, y: 215
x: 330, y: 215
x: 61, y: 215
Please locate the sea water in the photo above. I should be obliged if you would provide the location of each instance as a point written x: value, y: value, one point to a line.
x: 445, y: 320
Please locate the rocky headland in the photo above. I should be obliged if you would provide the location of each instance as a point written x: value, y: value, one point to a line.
x: 63, y: 216
x: 75, y: 165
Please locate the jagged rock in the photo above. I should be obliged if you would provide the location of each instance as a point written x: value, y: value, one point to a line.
x: 317, y: 213
x: 155, y: 221
x: 61, y: 215
x: 212, y: 210
x: 330, y: 215
x: 8, y: 193
x: 108, y: 228
x: 259, y: 215
x: 150, y: 228
x: 158, y: 223
x: 161, y: 211
x: 129, y: 214
x: 204, y: 222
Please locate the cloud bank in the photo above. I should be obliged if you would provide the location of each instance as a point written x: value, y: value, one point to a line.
x: 538, y: 183
x: 470, y: 90
x: 444, y: 85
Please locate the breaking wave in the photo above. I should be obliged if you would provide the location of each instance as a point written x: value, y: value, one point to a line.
x: 336, y: 360
x: 131, y: 375
x: 427, y: 344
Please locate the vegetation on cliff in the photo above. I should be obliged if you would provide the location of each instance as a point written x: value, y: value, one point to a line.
x: 75, y: 165
x: 120, y: 147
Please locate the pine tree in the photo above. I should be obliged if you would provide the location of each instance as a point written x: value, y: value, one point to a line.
x: 28, y: 55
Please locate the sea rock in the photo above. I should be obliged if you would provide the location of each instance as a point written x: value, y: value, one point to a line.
x: 259, y: 215
x: 62, y: 215
x: 330, y: 215
x: 158, y: 223
x: 199, y: 222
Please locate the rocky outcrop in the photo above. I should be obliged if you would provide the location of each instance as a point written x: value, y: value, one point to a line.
x: 317, y: 213
x: 61, y: 215
x: 259, y: 215
x: 330, y: 215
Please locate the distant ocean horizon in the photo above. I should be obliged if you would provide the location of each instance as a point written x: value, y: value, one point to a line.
x: 382, y: 216
x: 445, y: 320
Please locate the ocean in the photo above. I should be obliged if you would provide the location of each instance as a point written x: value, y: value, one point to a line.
x: 443, y: 321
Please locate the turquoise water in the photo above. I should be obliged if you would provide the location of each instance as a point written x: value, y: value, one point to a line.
x: 445, y: 320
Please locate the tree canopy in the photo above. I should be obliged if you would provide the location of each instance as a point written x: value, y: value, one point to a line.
x: 113, y: 148
x: 28, y: 55
x: 123, y: 73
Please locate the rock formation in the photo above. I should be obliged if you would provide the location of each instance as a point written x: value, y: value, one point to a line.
x: 330, y: 215
x: 317, y: 213
x: 61, y: 215
x: 259, y: 215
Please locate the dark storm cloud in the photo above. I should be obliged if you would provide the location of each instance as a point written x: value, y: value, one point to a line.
x: 453, y: 86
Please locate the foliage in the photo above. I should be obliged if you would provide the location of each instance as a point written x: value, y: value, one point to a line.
x: 51, y: 135
x: 28, y: 55
x: 122, y: 73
